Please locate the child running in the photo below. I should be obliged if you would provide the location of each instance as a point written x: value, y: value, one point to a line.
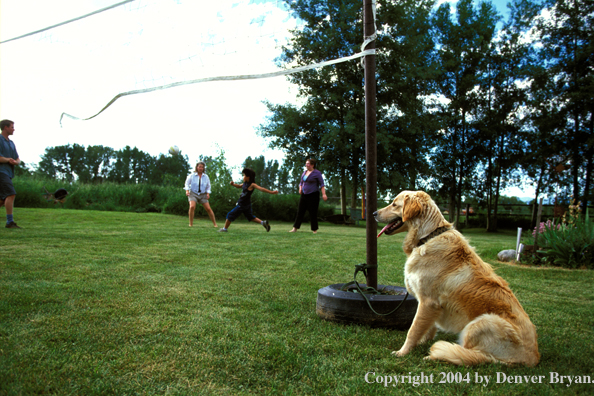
x: 244, y: 203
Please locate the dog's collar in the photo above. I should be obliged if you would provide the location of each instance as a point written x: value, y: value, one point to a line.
x: 435, y: 233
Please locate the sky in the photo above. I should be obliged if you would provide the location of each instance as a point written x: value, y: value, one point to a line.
x: 79, y: 67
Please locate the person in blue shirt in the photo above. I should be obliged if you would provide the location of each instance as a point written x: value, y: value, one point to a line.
x: 9, y: 158
x: 198, y: 191
x: 244, y: 203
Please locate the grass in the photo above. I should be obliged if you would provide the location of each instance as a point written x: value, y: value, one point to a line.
x: 95, y: 303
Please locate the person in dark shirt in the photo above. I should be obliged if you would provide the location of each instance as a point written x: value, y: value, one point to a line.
x: 244, y: 203
x: 9, y: 158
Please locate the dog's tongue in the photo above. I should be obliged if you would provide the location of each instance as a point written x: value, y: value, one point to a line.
x: 383, y: 230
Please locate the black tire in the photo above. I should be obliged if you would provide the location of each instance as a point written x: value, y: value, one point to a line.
x: 60, y: 194
x: 340, y: 306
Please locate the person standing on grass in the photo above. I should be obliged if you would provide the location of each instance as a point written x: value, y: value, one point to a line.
x: 312, y: 182
x: 198, y: 191
x: 244, y: 203
x: 8, y: 159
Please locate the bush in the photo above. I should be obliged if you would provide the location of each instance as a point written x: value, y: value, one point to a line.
x: 176, y: 203
x: 284, y: 207
x: 569, y: 244
x: 109, y: 196
x: 30, y: 193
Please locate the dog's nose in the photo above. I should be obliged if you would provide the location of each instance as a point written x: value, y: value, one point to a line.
x: 375, y: 215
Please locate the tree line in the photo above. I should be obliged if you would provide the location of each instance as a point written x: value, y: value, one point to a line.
x: 131, y: 182
x: 467, y: 103
x: 96, y: 164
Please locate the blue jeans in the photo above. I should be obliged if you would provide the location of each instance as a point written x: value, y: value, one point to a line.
x: 238, y: 210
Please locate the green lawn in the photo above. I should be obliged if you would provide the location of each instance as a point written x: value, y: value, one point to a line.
x: 124, y: 303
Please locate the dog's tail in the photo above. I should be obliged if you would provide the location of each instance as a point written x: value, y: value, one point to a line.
x: 459, y: 355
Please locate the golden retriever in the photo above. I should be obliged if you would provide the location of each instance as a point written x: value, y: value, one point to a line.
x: 457, y: 292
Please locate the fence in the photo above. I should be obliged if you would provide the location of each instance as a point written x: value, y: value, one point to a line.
x: 548, y: 211
x: 505, y: 212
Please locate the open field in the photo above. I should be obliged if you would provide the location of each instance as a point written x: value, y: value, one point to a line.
x: 125, y: 303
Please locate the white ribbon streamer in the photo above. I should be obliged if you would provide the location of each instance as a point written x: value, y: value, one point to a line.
x: 224, y: 78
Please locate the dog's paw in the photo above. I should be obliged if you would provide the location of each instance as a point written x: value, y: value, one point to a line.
x: 400, y: 353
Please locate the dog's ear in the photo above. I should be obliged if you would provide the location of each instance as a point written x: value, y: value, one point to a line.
x: 411, y: 208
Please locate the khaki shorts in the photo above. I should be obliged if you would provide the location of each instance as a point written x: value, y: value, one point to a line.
x: 200, y: 198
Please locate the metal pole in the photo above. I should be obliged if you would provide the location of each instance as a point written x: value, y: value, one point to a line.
x: 370, y: 146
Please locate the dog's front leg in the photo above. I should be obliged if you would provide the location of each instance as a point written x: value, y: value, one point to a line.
x: 424, y: 322
x: 429, y: 335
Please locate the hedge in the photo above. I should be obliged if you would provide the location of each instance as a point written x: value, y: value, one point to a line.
x: 140, y: 198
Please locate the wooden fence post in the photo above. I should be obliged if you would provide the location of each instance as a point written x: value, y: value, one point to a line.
x: 467, y: 214
x: 538, y: 214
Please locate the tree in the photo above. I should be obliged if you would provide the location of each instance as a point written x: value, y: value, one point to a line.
x: 133, y: 166
x: 47, y: 167
x: 545, y: 151
x: 65, y: 162
x: 567, y: 39
x: 98, y: 162
x: 330, y: 125
x: 267, y: 173
x: 463, y: 47
x: 500, y: 108
x: 216, y: 168
x: 289, y: 176
x: 170, y: 170
x: 408, y: 68
x: 22, y: 170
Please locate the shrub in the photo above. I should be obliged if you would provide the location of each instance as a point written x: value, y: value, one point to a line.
x: 284, y: 207
x: 569, y: 244
x: 30, y: 193
x: 177, y: 204
x: 109, y: 196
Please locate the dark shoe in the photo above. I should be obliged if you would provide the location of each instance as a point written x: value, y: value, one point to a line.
x: 12, y: 224
x: 266, y: 225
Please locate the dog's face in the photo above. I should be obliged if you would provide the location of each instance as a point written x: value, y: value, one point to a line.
x: 404, y: 208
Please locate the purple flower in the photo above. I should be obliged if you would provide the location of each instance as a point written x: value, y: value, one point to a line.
x: 543, y: 227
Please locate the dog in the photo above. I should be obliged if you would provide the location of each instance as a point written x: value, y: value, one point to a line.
x: 457, y: 292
